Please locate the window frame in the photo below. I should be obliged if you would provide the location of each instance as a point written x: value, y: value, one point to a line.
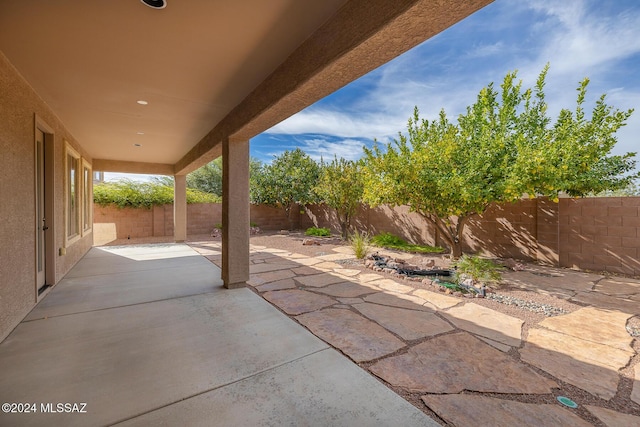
x: 87, y: 198
x: 72, y: 184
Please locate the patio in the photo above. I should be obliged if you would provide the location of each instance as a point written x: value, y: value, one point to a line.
x: 147, y: 335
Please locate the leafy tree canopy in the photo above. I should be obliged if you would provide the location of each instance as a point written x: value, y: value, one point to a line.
x: 289, y: 179
x: 503, y: 146
x: 341, y: 188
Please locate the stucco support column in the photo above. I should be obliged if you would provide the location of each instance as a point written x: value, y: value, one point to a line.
x: 180, y: 208
x: 235, y: 213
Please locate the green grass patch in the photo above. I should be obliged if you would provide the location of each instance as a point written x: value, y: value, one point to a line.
x: 389, y: 241
x: 318, y: 232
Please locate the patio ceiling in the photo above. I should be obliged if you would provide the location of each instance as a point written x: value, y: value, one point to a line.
x: 209, y: 69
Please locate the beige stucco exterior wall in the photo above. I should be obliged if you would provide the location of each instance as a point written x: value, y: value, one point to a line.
x: 19, y: 105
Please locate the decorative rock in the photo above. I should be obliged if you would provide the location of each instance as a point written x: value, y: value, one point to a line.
x: 444, y: 365
x: 359, y: 338
x: 473, y: 410
x: 427, y: 282
x: 310, y: 242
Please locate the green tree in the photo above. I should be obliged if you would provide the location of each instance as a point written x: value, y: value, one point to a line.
x: 208, y: 178
x: 341, y: 188
x: 288, y: 180
x: 503, y: 146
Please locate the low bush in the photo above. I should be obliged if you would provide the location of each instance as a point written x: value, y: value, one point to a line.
x: 132, y: 194
x: 318, y: 232
x: 389, y: 241
x: 480, y: 270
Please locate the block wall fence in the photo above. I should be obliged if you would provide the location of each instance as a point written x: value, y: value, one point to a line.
x: 598, y: 234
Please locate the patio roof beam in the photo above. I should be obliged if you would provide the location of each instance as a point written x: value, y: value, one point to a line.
x: 105, y: 165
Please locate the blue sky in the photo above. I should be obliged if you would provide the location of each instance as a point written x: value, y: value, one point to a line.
x: 595, y: 39
x: 578, y: 38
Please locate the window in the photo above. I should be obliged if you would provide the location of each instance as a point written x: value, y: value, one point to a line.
x: 87, y: 199
x: 72, y: 194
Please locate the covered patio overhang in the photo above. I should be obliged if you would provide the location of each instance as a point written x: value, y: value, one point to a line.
x: 165, y: 91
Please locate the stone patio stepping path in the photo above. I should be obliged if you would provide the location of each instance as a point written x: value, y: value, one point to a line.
x: 439, y: 300
x: 463, y: 346
x: 346, y: 290
x: 296, y: 301
x: 487, y: 323
x: 635, y: 393
x: 612, y: 418
x: 582, y: 351
x: 319, y: 280
x: 456, y: 362
x: 361, y: 339
x: 472, y: 410
x: 411, y: 302
x: 408, y: 324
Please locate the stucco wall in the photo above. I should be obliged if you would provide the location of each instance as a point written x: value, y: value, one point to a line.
x: 599, y: 234
x: 19, y: 105
x: 113, y: 223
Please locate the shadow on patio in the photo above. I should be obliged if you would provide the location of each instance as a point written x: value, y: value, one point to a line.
x: 146, y: 335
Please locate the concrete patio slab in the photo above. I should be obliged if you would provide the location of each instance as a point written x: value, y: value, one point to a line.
x: 612, y: 418
x: 77, y: 294
x: 487, y: 323
x: 408, y: 324
x: 456, y: 362
x: 225, y: 357
x: 284, y: 396
x: 470, y: 410
x: 359, y: 338
x: 297, y: 301
x: 129, y: 360
x: 585, y: 364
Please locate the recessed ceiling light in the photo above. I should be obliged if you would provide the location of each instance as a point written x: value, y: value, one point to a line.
x: 137, y: 145
x: 156, y: 4
x: 142, y: 102
x: 139, y: 133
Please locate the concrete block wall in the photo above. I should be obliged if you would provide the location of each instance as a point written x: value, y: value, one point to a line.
x: 600, y: 234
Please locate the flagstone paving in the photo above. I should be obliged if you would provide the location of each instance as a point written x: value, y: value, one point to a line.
x: 456, y: 362
x: 443, y: 347
x: 472, y: 410
x: 635, y: 393
x: 581, y: 350
x: 487, y: 323
x: 359, y: 338
x: 612, y: 418
x: 408, y: 324
x: 295, y: 301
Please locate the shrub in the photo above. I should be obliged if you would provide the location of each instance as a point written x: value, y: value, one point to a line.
x: 359, y: 244
x: 319, y: 232
x: 132, y: 194
x: 480, y: 270
x: 388, y: 240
